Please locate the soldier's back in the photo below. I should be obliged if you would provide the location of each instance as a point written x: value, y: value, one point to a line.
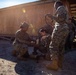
x: 22, y: 35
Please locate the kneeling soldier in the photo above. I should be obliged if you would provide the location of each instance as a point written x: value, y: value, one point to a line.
x: 21, y: 42
x: 43, y: 45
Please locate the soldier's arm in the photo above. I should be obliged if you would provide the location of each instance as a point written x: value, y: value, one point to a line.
x: 30, y: 41
x: 19, y: 39
x: 52, y: 17
x: 60, y: 15
x: 48, y: 40
x: 25, y: 42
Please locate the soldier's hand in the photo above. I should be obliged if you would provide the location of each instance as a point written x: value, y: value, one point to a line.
x: 33, y: 42
x: 43, y: 37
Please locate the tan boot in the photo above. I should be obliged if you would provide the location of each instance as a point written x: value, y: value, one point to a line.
x: 60, y: 62
x: 53, y: 65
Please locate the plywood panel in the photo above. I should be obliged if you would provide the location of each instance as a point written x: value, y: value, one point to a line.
x: 33, y: 13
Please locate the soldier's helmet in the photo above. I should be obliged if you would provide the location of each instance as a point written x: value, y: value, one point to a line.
x: 24, y: 25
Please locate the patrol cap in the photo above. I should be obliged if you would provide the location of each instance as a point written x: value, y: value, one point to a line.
x: 43, y: 30
x: 24, y: 25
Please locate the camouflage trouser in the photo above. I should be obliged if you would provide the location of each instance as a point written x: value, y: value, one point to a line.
x: 20, y: 49
x: 42, y: 49
x: 57, y: 44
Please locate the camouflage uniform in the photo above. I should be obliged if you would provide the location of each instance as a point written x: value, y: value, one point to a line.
x: 43, y: 44
x: 21, y: 42
x: 59, y: 34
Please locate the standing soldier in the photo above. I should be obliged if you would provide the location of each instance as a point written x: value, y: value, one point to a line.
x: 21, y: 42
x: 59, y: 35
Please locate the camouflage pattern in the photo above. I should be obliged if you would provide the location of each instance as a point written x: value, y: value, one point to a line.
x: 60, y: 16
x: 59, y: 34
x: 43, y: 44
x: 58, y: 37
x: 21, y: 42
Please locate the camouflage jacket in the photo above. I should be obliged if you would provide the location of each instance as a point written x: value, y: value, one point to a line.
x: 45, y: 42
x: 61, y: 15
x: 21, y: 38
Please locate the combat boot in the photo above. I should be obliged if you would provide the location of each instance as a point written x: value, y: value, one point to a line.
x: 60, y: 62
x: 53, y: 65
